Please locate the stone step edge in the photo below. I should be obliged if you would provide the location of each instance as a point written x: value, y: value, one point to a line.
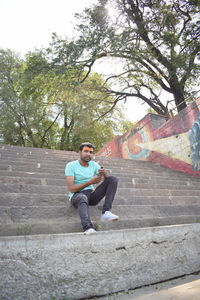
x: 128, y: 189
x: 100, y: 206
x: 94, y: 219
x: 46, y: 161
x: 117, y: 223
x: 61, y: 155
x: 124, y: 185
x: 131, y: 180
x: 66, y: 195
x: 117, y: 171
x: 77, y: 224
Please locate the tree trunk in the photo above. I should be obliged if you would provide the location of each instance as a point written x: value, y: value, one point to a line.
x: 178, y: 93
x: 64, y: 133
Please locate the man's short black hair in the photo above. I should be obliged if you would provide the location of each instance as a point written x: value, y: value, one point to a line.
x: 87, y: 144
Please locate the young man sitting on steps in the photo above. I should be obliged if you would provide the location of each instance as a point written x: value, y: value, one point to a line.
x: 80, y: 176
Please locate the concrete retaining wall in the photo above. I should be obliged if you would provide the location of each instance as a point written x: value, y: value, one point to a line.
x: 78, y: 266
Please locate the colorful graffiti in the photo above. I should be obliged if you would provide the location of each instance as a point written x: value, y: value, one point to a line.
x: 131, y: 141
x: 174, y: 143
x: 194, y: 137
x: 176, y: 146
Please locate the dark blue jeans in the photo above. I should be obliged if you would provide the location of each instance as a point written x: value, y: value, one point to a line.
x: 83, y: 199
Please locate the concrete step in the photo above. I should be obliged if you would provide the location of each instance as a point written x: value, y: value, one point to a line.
x: 52, y: 154
x: 128, y: 183
x: 21, y: 149
x: 60, y: 172
x: 154, y: 192
x: 55, y: 160
x: 67, y: 212
x: 49, y: 168
x: 18, y: 151
x: 125, y: 192
x: 57, y: 154
x: 64, y: 226
x: 27, y: 199
x: 117, y: 166
x: 120, y: 166
x: 66, y: 157
x: 60, y: 162
x: 135, y: 179
x: 157, y: 200
x: 60, y: 168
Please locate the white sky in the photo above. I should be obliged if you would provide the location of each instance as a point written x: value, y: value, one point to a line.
x: 28, y: 24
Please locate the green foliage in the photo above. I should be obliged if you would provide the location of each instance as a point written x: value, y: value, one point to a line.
x: 43, y: 107
x: 151, y: 111
x: 126, y: 125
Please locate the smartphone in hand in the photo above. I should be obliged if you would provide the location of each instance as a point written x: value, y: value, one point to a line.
x: 100, y: 170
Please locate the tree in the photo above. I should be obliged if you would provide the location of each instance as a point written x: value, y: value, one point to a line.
x: 24, y: 103
x: 43, y: 106
x: 157, y: 41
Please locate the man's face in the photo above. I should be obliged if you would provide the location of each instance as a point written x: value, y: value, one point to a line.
x: 86, y: 153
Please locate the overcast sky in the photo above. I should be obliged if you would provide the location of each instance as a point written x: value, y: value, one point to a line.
x: 28, y: 24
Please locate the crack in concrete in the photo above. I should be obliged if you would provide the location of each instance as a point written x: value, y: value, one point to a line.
x: 120, y: 248
x: 158, y: 242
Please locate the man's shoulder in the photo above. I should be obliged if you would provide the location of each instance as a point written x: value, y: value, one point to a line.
x: 71, y: 167
x: 72, y: 163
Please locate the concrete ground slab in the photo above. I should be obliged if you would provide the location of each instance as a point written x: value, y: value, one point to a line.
x: 76, y: 266
x: 184, y: 288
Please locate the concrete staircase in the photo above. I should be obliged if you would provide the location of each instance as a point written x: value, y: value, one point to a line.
x: 34, y: 198
x: 44, y: 254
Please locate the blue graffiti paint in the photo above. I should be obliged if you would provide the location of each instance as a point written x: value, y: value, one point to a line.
x: 144, y: 153
x: 194, y: 137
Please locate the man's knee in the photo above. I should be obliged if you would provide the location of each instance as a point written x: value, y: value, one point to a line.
x: 112, y: 179
x: 82, y: 198
x: 79, y: 199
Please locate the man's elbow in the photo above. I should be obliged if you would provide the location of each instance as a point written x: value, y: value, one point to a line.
x: 71, y: 189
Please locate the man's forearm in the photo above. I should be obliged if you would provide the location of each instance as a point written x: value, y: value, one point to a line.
x: 78, y: 187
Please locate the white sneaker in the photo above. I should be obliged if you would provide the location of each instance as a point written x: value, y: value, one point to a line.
x: 108, y: 216
x: 89, y: 231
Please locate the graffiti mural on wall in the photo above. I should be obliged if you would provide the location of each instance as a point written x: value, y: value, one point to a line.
x: 130, y: 148
x: 107, y: 152
x: 139, y: 145
x: 174, y: 143
x: 194, y: 137
x: 130, y: 142
x: 176, y: 146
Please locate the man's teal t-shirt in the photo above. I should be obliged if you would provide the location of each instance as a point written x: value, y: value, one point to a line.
x: 82, y: 174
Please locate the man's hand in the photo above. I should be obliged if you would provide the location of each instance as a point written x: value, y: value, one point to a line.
x: 96, y: 179
x: 103, y: 172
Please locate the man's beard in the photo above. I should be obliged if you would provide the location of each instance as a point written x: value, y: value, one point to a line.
x: 87, y: 159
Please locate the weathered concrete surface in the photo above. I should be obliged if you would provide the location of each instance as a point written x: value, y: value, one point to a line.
x: 78, y: 266
x: 182, y: 288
